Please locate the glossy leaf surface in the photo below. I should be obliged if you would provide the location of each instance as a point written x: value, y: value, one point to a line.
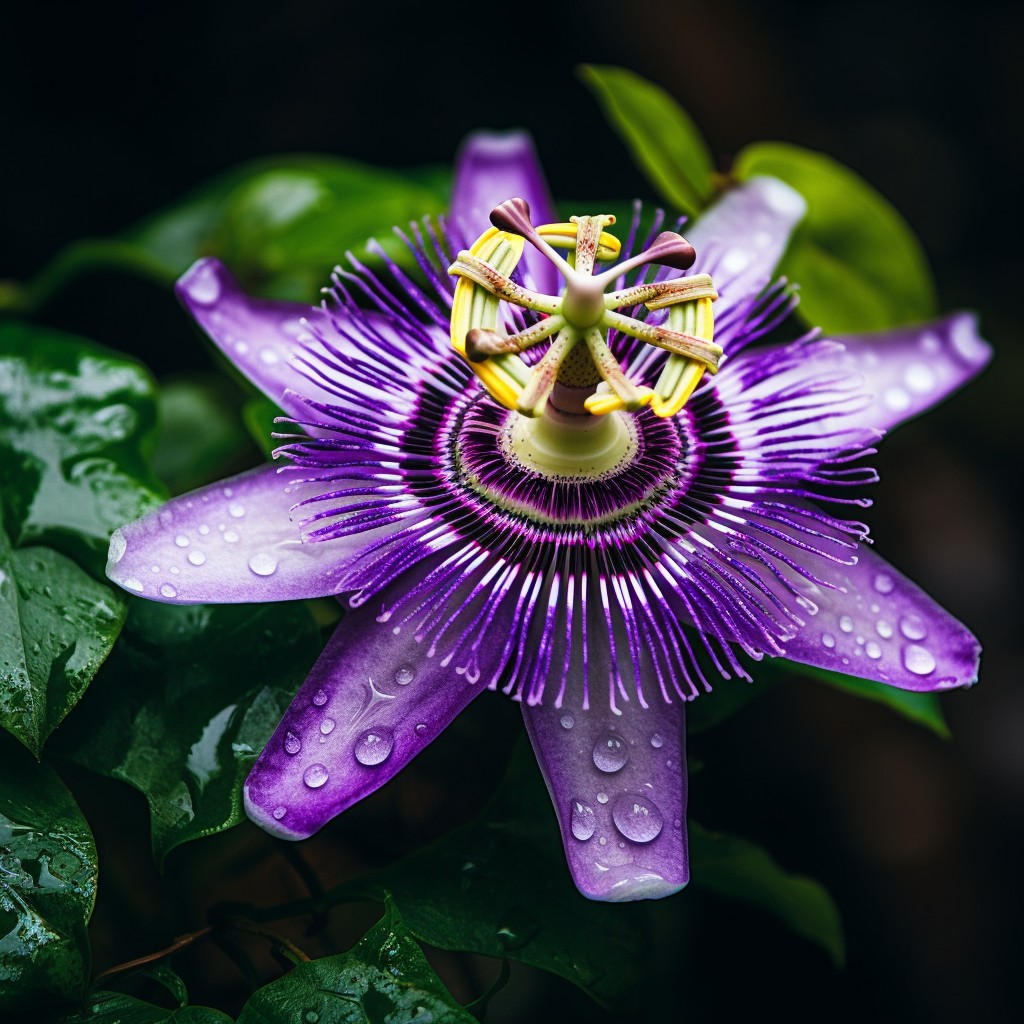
x: 48, y: 870
x: 76, y: 421
x: 858, y: 263
x: 188, y: 699
x: 384, y: 977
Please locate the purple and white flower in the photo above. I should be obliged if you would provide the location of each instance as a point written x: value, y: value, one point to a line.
x: 599, y: 555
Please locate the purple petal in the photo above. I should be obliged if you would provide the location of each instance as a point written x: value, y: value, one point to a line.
x: 618, y: 783
x: 259, y: 336
x: 910, y: 369
x: 881, y: 626
x: 372, y: 702
x: 741, y: 239
x: 230, y: 542
x: 490, y: 168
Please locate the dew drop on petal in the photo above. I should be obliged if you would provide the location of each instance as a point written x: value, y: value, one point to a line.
x: 872, y: 650
x: 404, y: 676
x: 374, y: 746
x: 637, y: 818
x: 327, y: 726
x: 292, y: 743
x: 657, y: 741
x: 204, y: 529
x: 919, y: 377
x: 235, y: 510
x: 196, y: 557
x: 133, y: 584
x: 263, y: 564
x: 828, y: 640
x: 583, y: 822
x: 846, y: 624
x: 118, y: 546
x: 918, y: 660
x: 884, y: 583
x: 567, y: 721
x: 884, y: 629
x: 315, y: 776
x: 279, y: 813
x: 230, y: 536
x: 168, y: 591
x: 602, y: 798
x: 166, y: 517
x: 227, y: 492
x: 610, y: 753
x: 421, y: 729
x: 897, y: 399
x: 913, y: 627
x: 181, y: 540
x: 319, y: 698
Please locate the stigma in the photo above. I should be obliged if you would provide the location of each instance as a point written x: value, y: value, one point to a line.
x: 579, y: 377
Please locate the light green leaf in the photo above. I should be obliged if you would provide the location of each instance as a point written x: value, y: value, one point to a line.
x: 858, y: 263
x: 384, y: 978
x: 47, y: 887
x: 76, y: 422
x: 57, y: 625
x: 662, y: 137
x: 744, y: 871
x: 188, y: 699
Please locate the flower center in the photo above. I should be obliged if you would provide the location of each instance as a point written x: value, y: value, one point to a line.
x: 579, y: 377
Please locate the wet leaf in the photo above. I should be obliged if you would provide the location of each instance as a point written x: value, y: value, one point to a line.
x: 186, y: 702
x: 57, y: 625
x: 384, y: 977
x: 859, y: 265
x: 744, y: 871
x: 47, y: 886
x: 117, y: 1008
x: 662, y: 137
x: 456, y: 894
x: 76, y: 421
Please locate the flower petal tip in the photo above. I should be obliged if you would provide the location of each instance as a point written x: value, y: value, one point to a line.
x: 627, y: 886
x: 203, y: 283
x: 270, y: 820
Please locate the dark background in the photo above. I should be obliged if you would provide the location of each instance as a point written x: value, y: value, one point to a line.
x: 112, y: 113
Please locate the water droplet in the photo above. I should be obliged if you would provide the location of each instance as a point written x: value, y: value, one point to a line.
x: 404, y: 676
x: 883, y: 628
x: 602, y: 840
x: 202, y: 284
x: 279, y: 813
x: 133, y: 584
x: 230, y: 536
x: 884, y: 583
x: 168, y: 591
x: 846, y: 624
x: 637, y: 818
x: 204, y: 529
x: 235, y: 510
x: 227, y: 492
x: 602, y: 798
x: 567, y: 721
x: 315, y: 776
x: 913, y: 627
x: 311, y: 1016
x: 196, y: 557
x: 918, y: 660
x: 181, y: 540
x: 421, y: 729
x: 118, y: 546
x: 166, y: 517
x: 583, y: 822
x: 610, y: 753
x: 292, y: 743
x: 263, y: 564
x: 269, y: 356
x: 657, y: 741
x: 872, y: 650
x: 374, y: 746
x: 828, y: 640
x: 897, y: 399
x: 327, y: 726
x: 319, y: 698
x: 919, y: 378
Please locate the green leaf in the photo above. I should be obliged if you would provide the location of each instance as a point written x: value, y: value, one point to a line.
x: 858, y: 263
x: 281, y: 223
x: 384, y: 977
x: 499, y: 886
x: 57, y: 625
x: 259, y: 414
x: 187, y: 700
x: 117, y: 1008
x: 75, y: 423
x: 923, y: 708
x: 727, y: 697
x: 662, y: 137
x: 47, y: 887
x: 744, y: 871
